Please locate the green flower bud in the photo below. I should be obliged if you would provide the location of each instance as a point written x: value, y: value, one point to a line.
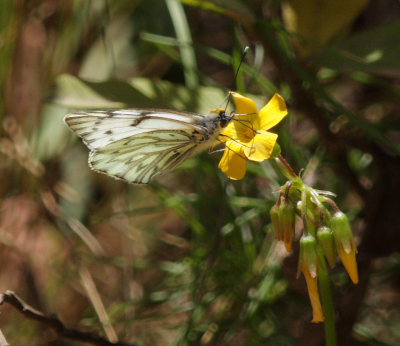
x: 326, y: 240
x: 342, y: 230
x: 274, y: 213
x: 308, y: 255
x: 287, y: 217
x: 345, y: 244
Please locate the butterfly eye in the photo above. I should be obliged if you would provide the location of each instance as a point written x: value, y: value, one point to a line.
x: 223, y: 119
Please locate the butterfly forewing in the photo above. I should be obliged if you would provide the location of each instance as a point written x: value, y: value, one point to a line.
x: 98, y: 128
x: 137, y: 144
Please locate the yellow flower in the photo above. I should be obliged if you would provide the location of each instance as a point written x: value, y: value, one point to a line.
x: 246, y: 137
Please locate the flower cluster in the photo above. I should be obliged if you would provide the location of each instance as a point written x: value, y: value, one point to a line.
x: 325, y: 234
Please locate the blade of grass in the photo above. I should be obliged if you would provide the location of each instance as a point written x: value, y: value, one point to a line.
x: 95, y: 299
x: 8, y: 33
x: 182, y: 31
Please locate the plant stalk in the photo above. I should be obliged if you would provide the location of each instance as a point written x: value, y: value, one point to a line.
x: 327, y: 303
x: 285, y: 167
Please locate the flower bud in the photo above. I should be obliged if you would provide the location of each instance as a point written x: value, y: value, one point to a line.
x: 274, y: 213
x: 326, y: 240
x: 308, y: 255
x: 308, y: 265
x: 345, y: 244
x: 287, y: 216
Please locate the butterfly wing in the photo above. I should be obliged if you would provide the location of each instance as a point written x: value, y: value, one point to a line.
x: 137, y: 159
x: 99, y: 128
x: 135, y: 145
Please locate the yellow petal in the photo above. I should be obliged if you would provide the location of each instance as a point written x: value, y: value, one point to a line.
x: 239, y: 130
x: 244, y: 105
x: 348, y: 259
x: 261, y: 147
x: 228, y: 133
x: 273, y: 112
x: 246, y: 120
x: 232, y: 163
x: 313, y: 293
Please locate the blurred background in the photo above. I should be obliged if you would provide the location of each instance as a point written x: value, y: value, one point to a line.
x: 191, y: 259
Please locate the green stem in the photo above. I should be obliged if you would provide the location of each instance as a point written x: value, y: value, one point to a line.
x: 304, y: 209
x: 327, y: 303
x: 332, y: 204
x: 285, y: 168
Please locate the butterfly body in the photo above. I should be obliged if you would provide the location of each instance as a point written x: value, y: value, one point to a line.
x: 137, y: 144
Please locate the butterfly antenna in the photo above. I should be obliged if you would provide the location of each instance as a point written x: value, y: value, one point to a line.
x: 244, y: 52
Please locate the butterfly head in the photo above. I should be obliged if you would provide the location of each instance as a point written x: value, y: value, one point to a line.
x: 223, y: 117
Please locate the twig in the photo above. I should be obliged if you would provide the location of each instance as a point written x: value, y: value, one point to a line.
x: 53, y: 322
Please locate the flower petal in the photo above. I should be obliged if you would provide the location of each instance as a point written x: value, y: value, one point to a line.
x: 232, y: 163
x: 243, y: 104
x: 348, y: 259
x: 238, y: 129
x: 273, y: 112
x: 261, y: 147
x: 229, y: 132
x: 246, y: 120
x: 313, y: 293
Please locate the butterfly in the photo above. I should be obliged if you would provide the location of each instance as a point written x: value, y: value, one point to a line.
x: 135, y: 145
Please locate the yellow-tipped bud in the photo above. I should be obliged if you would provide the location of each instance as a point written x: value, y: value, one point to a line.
x: 327, y: 242
x: 345, y: 244
x: 287, y: 216
x: 308, y: 255
x: 308, y: 265
x: 274, y: 213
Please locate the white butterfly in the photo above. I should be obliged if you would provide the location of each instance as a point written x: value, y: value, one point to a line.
x: 137, y: 144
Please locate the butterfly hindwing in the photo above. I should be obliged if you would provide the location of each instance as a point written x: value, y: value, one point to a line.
x: 139, y: 158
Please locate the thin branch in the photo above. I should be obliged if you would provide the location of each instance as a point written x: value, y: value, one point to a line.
x: 54, y: 323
